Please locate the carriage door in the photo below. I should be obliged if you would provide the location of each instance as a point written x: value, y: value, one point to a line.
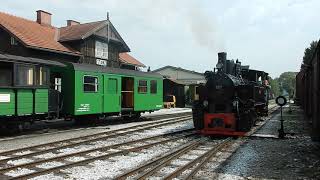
x: 112, y: 91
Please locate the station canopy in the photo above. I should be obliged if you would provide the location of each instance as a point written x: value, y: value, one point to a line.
x: 21, y: 59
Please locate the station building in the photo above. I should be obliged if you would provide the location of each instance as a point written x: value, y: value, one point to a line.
x: 96, y: 42
x: 32, y: 41
x: 179, y: 76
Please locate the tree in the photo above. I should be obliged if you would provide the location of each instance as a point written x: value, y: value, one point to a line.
x: 275, y: 89
x: 287, y: 82
x: 308, y: 53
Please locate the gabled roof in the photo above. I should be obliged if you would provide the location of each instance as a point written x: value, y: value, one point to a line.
x: 34, y: 35
x: 49, y: 38
x: 82, y: 31
x: 127, y: 59
x: 177, y: 69
x: 77, y: 32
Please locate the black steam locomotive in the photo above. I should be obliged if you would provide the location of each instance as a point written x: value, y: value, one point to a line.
x: 231, y: 100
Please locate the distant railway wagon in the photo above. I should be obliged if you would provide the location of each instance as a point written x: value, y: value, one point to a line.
x: 307, y: 92
x: 34, y: 89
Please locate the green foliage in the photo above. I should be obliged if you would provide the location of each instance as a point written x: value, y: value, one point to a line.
x: 308, y: 53
x: 287, y: 82
x: 275, y: 89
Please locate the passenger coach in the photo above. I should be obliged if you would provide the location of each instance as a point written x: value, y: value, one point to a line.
x: 88, y: 90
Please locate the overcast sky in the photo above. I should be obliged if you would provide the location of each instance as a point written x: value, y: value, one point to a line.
x: 268, y: 35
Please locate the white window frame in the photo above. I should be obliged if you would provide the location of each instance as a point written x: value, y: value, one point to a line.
x: 101, y: 50
x: 14, y: 42
x: 96, y: 84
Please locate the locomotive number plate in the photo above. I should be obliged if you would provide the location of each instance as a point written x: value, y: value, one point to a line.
x: 4, y: 98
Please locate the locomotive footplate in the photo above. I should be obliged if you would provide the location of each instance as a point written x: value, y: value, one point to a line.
x: 220, y: 124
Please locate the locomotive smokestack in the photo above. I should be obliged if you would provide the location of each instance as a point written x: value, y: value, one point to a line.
x: 222, y: 58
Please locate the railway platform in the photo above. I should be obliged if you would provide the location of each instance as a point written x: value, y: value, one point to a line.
x: 265, y: 156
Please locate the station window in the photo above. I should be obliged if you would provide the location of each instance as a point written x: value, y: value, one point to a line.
x: 101, y: 50
x: 14, y: 42
x: 142, y: 86
x: 90, y: 84
x: 24, y: 75
x: 42, y: 76
x: 153, y: 87
x: 6, y: 74
x: 112, y: 86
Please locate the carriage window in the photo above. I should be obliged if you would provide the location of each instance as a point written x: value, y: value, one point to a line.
x: 153, y: 87
x: 142, y: 87
x: 5, y: 74
x: 24, y: 75
x: 112, y: 86
x: 42, y: 76
x: 90, y: 84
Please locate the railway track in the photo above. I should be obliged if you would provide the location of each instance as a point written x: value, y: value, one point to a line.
x: 98, y: 136
x: 52, y: 129
x: 178, y: 161
x: 176, y: 165
x: 54, y: 147
x: 116, y: 150
x: 185, y: 161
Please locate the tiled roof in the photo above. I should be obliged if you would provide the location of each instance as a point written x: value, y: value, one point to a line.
x: 34, y: 35
x: 79, y: 31
x: 127, y: 59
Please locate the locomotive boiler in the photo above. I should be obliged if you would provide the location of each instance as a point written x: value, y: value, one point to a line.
x: 231, y: 99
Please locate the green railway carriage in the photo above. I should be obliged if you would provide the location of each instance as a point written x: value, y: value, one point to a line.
x: 24, y: 87
x: 34, y: 89
x: 92, y: 90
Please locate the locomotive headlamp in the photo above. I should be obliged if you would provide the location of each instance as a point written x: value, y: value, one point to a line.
x: 281, y: 100
x: 205, y: 103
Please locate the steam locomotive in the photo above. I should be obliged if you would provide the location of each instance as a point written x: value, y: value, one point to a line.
x: 231, y: 99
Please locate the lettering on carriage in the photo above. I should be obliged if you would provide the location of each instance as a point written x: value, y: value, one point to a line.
x: 159, y: 106
x: 4, y: 98
x: 84, y: 108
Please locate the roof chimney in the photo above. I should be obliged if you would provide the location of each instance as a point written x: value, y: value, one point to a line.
x: 43, y: 17
x: 72, y: 22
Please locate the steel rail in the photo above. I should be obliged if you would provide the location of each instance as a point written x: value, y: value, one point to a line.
x: 87, y: 136
x: 104, y: 148
x: 201, y: 160
x: 270, y: 116
x: 89, y: 160
x: 85, y: 141
x: 206, y: 159
x: 160, y: 160
x: 35, y: 133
